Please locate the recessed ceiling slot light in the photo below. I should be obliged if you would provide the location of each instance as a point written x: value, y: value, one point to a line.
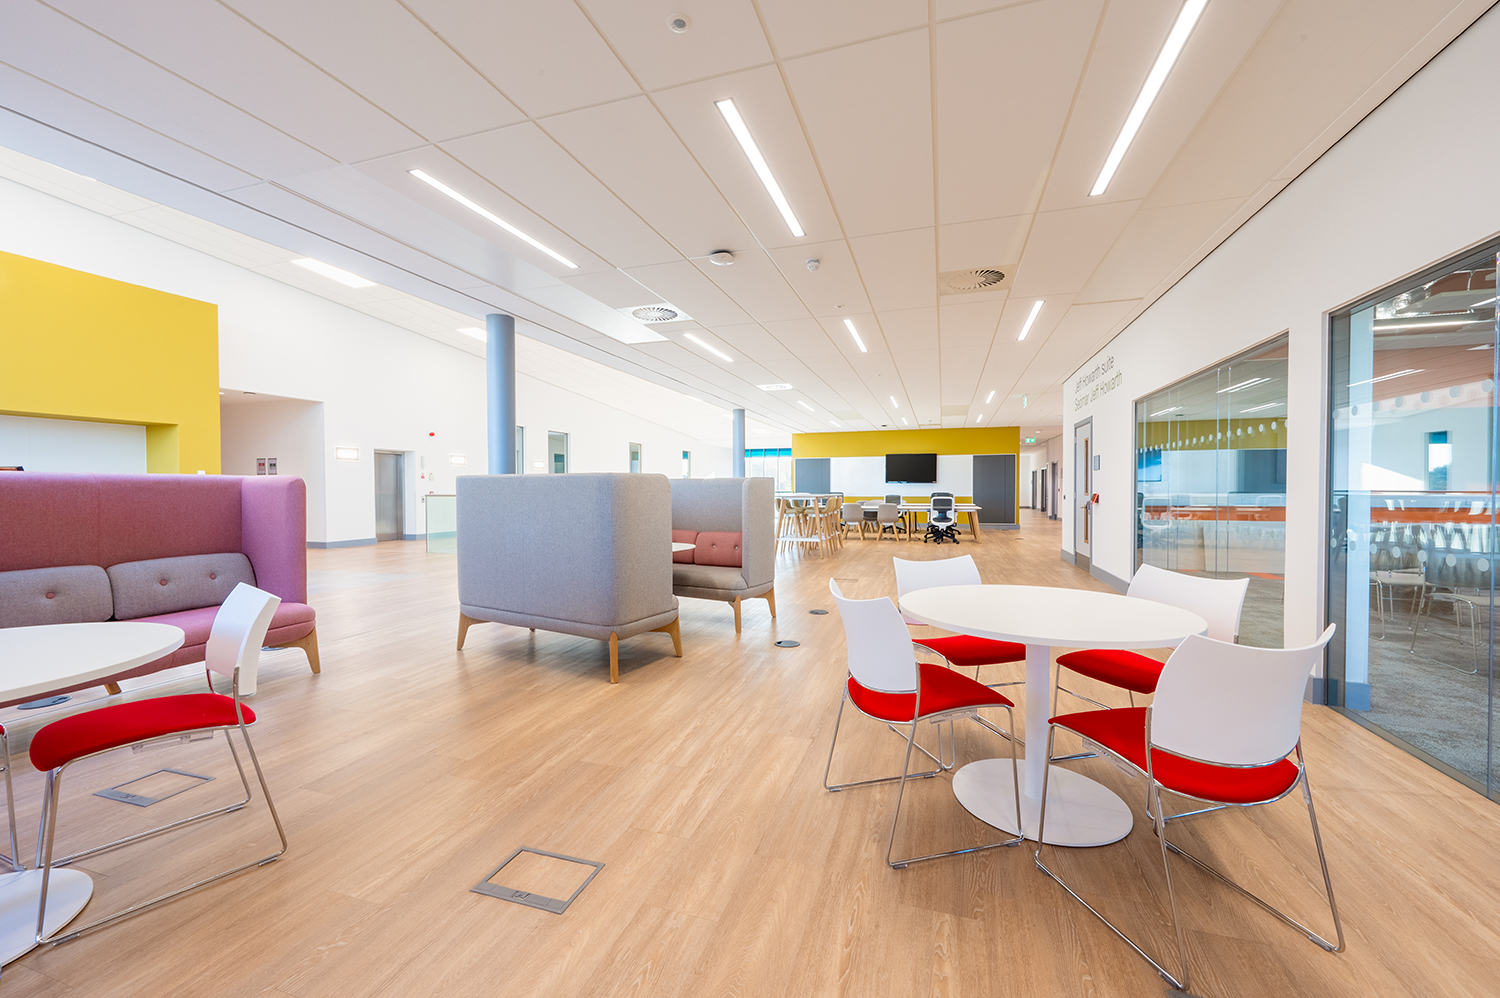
x: 476, y: 332
x: 805, y: 406
x: 1163, y: 412
x: 978, y: 417
x: 849, y: 325
x: 713, y: 350
x: 990, y: 399
x: 894, y: 402
x: 1388, y: 377
x: 1246, y: 384
x: 762, y: 170
x: 488, y: 215
x: 904, y: 422
x: 779, y: 387
x: 1259, y: 408
x: 1158, y: 76
x: 1036, y: 309
x: 834, y: 423
x: 335, y: 274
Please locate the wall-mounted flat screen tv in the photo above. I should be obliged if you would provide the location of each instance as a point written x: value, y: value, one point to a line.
x: 911, y: 468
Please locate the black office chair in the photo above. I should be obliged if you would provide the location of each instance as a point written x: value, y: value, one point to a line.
x: 942, y: 524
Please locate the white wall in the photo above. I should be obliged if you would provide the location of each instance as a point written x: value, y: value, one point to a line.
x: 290, y: 430
x: 72, y: 445
x: 382, y: 387
x: 1411, y: 185
x: 865, y: 476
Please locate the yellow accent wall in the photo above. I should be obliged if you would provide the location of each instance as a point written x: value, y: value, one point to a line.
x: 79, y: 346
x: 970, y: 440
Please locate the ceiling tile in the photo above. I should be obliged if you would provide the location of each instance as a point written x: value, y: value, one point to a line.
x: 544, y: 55
x: 990, y: 242
x: 723, y: 36
x: 797, y: 27
x: 685, y: 286
x: 611, y: 287
x: 899, y: 268
x: 911, y: 329
x: 1154, y: 244
x: 1066, y: 246
x: 999, y: 119
x: 969, y: 325
x: 834, y: 288
x: 868, y: 110
x: 756, y: 286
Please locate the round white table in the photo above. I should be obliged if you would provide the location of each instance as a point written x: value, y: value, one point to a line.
x: 1080, y: 812
x: 35, y: 661
x: 680, y: 546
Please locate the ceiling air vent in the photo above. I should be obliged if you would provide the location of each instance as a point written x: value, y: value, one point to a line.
x: 653, y: 313
x: 964, y: 282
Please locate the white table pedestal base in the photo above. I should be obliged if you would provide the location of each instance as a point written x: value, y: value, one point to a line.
x: 20, y: 893
x: 1080, y: 812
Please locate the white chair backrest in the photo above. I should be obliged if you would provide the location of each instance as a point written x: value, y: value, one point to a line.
x: 1218, y: 601
x: 1232, y: 704
x: 239, y: 630
x: 914, y: 575
x: 880, y: 651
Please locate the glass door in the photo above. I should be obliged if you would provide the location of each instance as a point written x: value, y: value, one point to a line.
x: 1412, y: 516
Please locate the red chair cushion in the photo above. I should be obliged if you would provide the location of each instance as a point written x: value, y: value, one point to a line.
x: 1125, y: 669
x: 1123, y: 731
x: 942, y: 690
x: 719, y: 547
x: 127, y: 723
x: 684, y: 537
x: 961, y: 649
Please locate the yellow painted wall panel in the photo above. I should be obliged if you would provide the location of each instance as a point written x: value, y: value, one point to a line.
x: 969, y: 440
x: 79, y: 346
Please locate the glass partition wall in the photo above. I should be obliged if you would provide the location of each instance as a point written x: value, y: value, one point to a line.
x: 1412, y: 516
x: 1211, y: 481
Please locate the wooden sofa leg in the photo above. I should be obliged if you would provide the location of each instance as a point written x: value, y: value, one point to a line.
x: 771, y: 599
x: 614, y: 657
x: 736, y: 615
x: 674, y: 629
x: 308, y: 644
x: 113, y: 689
x: 464, y: 623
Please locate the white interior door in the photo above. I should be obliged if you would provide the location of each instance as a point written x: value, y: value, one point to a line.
x: 1083, y: 481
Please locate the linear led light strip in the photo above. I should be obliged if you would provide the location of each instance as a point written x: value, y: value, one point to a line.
x: 1169, y: 53
x: 713, y: 350
x: 849, y: 325
x: 1387, y: 377
x: 1163, y: 412
x: 1268, y: 405
x: 1026, y: 327
x: 762, y: 169
x: 485, y: 213
x: 334, y: 274
x: 1243, y: 385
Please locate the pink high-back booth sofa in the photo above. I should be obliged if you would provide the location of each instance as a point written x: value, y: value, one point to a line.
x: 99, y: 547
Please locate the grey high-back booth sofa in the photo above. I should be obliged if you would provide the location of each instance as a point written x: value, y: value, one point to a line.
x: 733, y: 522
x: 580, y: 554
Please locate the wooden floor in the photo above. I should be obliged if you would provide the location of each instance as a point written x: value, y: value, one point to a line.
x: 407, y: 771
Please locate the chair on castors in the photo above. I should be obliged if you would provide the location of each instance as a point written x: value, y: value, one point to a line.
x: 941, y: 521
x: 1225, y: 728
x: 233, y: 650
x: 1218, y: 601
x: 957, y: 649
x: 887, y: 683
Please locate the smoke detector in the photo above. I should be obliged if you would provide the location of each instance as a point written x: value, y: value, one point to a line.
x: 721, y: 258
x: 678, y: 23
x: 813, y: 263
x: 656, y: 313
x: 964, y: 282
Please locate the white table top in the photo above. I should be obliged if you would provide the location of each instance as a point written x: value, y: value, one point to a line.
x: 1410, y: 577
x: 37, y: 660
x: 1041, y: 615
x: 682, y: 546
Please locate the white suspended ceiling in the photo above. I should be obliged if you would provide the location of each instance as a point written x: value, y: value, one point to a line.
x: 911, y: 137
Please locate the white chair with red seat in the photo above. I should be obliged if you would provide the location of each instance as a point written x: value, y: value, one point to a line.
x: 1218, y: 601
x: 233, y: 650
x: 886, y: 682
x: 1225, y: 729
x: 957, y: 649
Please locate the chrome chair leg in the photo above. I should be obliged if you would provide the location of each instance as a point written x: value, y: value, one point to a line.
x: 14, y: 859
x: 828, y: 769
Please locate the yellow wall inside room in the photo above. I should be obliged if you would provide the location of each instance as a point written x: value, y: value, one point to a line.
x: 969, y: 440
x: 79, y: 346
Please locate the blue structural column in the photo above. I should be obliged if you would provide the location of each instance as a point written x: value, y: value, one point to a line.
x: 500, y: 362
x: 737, y: 446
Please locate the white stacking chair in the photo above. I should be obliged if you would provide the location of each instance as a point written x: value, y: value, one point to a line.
x: 961, y: 650
x: 886, y: 682
x: 1225, y: 729
x: 233, y: 651
x: 1218, y: 601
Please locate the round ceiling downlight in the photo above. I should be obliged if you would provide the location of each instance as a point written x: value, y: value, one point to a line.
x: 654, y: 313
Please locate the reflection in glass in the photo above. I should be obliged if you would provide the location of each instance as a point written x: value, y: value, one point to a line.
x: 1211, y: 481
x: 1412, y: 515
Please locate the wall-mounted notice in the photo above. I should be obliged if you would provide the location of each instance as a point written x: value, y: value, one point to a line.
x: 1096, y: 383
x: 270, y: 466
x: 260, y: 466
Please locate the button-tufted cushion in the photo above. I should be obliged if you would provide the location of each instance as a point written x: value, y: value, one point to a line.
x: 71, y: 594
x: 166, y: 585
x: 684, y: 537
x: 718, y: 547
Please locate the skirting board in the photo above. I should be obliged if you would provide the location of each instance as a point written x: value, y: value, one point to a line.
x: 413, y: 537
x: 1118, y: 584
x: 356, y: 543
x: 1315, y: 690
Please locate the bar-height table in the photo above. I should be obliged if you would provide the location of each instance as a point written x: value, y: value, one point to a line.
x: 1080, y: 812
x: 35, y: 661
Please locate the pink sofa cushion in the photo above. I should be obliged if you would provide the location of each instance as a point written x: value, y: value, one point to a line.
x: 196, y: 625
x: 718, y: 547
x: 684, y: 537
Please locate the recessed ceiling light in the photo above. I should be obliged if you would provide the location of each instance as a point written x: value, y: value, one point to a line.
x: 1384, y: 377
x: 1268, y: 405
x: 762, y: 170
x: 978, y: 417
x: 834, y: 423
x: 334, y: 273
x: 476, y: 332
x: 713, y: 350
x: 990, y: 399
x: 721, y: 258
x: 806, y: 406
x: 1169, y: 53
x: 780, y: 387
x: 849, y: 325
x: 485, y: 213
x: 1249, y: 384
x: 1163, y: 412
x: 1026, y: 327
x: 904, y: 422
x: 894, y: 402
